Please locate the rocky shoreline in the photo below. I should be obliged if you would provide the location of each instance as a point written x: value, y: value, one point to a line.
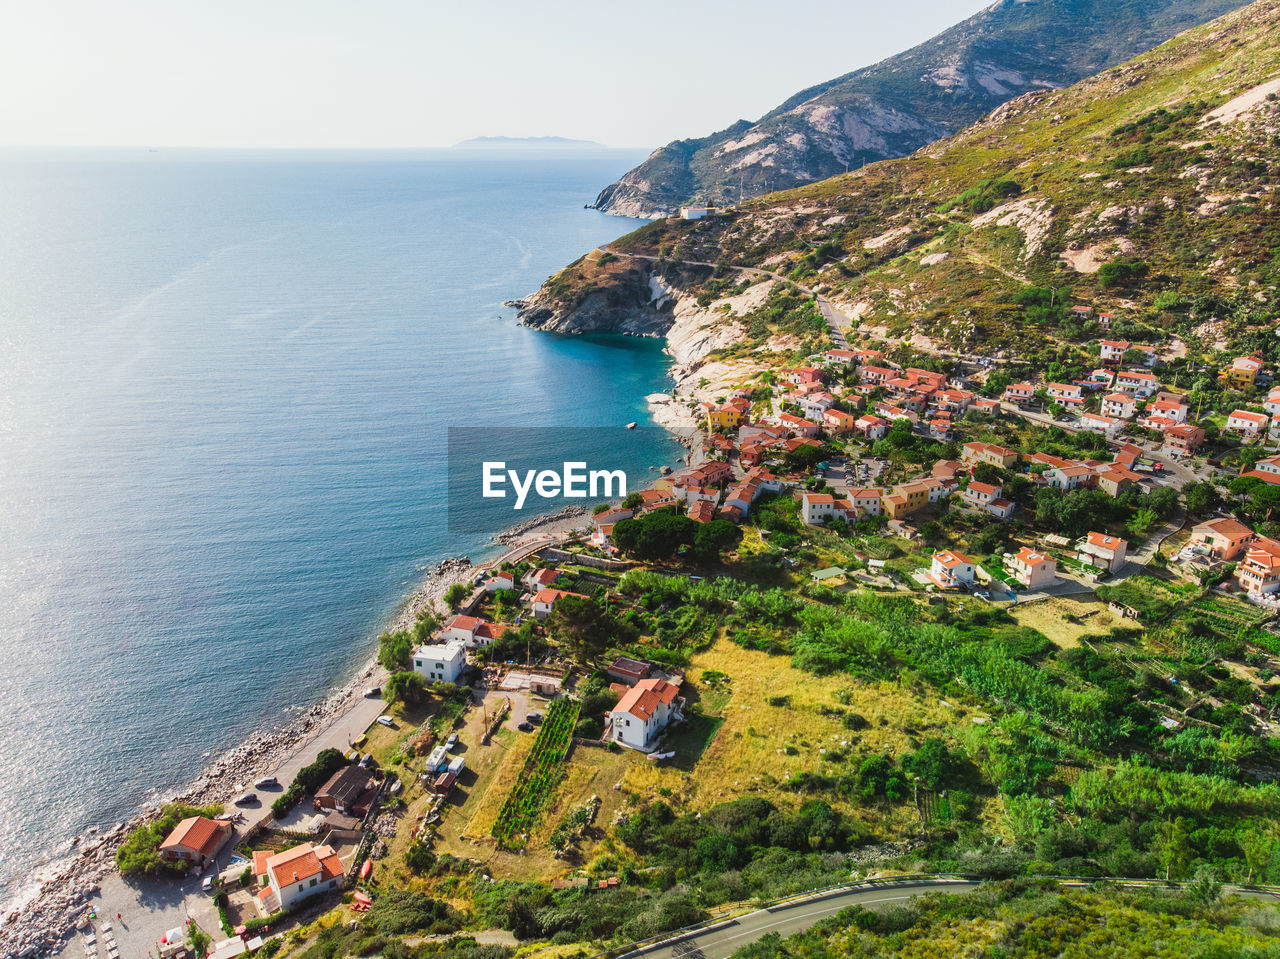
x: 39, y: 925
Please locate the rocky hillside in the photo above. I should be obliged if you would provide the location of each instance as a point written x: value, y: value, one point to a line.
x: 1148, y: 190
x: 901, y: 104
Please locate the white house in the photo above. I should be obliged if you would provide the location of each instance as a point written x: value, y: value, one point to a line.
x: 297, y: 874
x: 985, y: 496
x: 441, y: 662
x: 1272, y: 405
x: 1138, y: 383
x: 1069, y: 394
x: 1247, y: 423
x: 475, y: 633
x: 951, y: 570
x: 499, y: 581
x: 1108, y: 426
x: 1099, y: 549
x: 696, y: 212
x: 1019, y: 393
x: 1169, y: 408
x: 1069, y: 477
x: 872, y: 427
x: 1119, y: 405
x: 1112, y: 351
x: 1034, y: 570
x: 643, y: 712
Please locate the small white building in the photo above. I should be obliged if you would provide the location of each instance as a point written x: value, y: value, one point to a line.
x: 643, y: 712
x: 1099, y: 549
x: 1119, y: 405
x: 441, y: 662
x: 297, y: 874
x: 951, y: 570
x: 545, y: 601
x: 696, y: 212
x: 1108, y: 426
x: 1033, y: 569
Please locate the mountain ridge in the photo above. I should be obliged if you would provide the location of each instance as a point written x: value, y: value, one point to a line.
x: 901, y: 104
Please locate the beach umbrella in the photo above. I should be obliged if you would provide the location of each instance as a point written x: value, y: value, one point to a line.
x: 241, y: 930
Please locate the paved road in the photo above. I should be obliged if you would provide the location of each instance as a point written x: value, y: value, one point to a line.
x: 723, y: 940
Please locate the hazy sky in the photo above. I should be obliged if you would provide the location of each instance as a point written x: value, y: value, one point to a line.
x: 420, y: 73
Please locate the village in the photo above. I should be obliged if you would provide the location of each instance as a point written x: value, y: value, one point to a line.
x: 510, y: 683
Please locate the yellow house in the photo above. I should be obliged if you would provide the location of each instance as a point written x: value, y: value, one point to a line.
x: 1242, y: 372
x: 906, y: 499
x: 728, y: 417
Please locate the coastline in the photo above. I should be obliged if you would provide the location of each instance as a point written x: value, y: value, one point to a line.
x: 39, y: 919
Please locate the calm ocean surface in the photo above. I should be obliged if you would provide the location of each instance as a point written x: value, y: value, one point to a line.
x: 225, y: 384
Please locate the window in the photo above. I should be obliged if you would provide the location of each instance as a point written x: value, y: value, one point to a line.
x: 314, y: 881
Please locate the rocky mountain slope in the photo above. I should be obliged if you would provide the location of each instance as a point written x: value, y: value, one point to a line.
x: 1148, y: 191
x: 901, y: 104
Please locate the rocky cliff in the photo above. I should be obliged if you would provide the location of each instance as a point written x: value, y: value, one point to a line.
x: 897, y: 106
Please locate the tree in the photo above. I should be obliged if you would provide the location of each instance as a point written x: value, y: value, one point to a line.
x: 633, y: 501
x: 713, y: 538
x: 455, y: 594
x: 1257, y: 847
x: 405, y: 687
x: 1173, y: 846
x: 655, y: 535
x: 582, y: 626
x: 988, y: 473
x: 395, y: 650
x: 1202, y: 497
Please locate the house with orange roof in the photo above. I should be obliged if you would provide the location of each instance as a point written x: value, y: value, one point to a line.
x: 1182, y: 440
x: 1108, y: 426
x: 473, y: 632
x: 974, y: 453
x: 1069, y: 394
x: 1224, y: 538
x: 1019, y: 393
x: 840, y: 357
x: 643, y: 712
x: 1031, y: 568
x: 871, y: 426
x: 838, y: 422
x: 537, y: 578
x: 1119, y: 405
x: 1259, y: 572
x: 952, y: 570
x: 702, y: 511
x: 1136, y: 382
x: 1099, y: 549
x: 545, y: 601
x: 196, y: 840
x: 1247, y: 423
x: 1114, y: 480
x: 297, y: 874
x: 1267, y: 470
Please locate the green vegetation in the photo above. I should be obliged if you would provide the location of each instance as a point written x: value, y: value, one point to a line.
x: 543, y: 770
x: 1040, y: 920
x: 139, y: 854
x: 309, y: 779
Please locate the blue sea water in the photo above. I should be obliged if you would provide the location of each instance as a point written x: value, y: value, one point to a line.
x: 225, y: 386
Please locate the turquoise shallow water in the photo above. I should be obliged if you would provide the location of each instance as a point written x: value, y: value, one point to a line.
x: 225, y: 385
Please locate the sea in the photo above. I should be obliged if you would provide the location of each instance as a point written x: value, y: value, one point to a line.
x: 226, y: 384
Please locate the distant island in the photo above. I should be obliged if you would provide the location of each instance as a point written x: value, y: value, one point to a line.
x: 528, y: 143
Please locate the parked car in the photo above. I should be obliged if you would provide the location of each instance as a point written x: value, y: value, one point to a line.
x: 385, y: 721
x: 245, y: 799
x: 373, y: 692
x: 266, y: 782
x: 534, y: 717
x: 525, y: 727
x: 451, y: 741
x: 207, y: 884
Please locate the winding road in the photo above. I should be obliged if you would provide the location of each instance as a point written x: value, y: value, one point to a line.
x: 719, y: 940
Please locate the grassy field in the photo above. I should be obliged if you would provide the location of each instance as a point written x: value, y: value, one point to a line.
x: 1065, y: 619
x: 747, y: 745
